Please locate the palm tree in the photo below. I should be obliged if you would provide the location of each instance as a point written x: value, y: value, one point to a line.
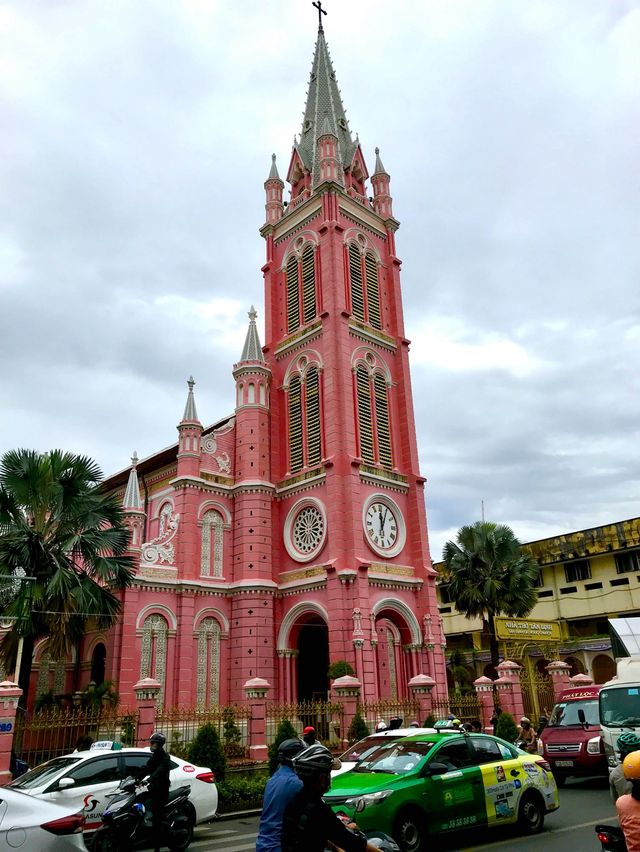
x: 62, y: 554
x: 487, y: 575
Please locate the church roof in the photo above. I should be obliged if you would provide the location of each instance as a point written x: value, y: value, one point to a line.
x: 252, y: 351
x: 324, y: 109
x: 132, y: 498
x: 190, y: 414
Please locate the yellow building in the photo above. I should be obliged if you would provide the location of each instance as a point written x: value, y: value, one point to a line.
x: 585, y: 578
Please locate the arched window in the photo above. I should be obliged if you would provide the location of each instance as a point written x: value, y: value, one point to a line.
x: 373, y: 290
x: 208, y: 672
x: 251, y: 397
x: 212, y: 542
x: 153, y: 653
x: 301, y: 288
x: 305, y: 432
x: 374, y: 430
x: 98, y: 663
x: 312, y: 387
x: 355, y: 277
x: 364, y: 286
x: 295, y: 425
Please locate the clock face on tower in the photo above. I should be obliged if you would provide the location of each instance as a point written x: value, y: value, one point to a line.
x: 383, y: 526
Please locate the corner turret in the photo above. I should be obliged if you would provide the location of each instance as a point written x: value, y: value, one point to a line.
x: 133, y: 508
x: 190, y: 433
x: 382, y: 201
x: 273, y: 187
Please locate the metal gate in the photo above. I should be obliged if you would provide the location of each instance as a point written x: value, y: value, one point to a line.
x: 537, y: 693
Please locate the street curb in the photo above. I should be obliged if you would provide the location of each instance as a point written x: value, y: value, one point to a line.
x: 237, y: 815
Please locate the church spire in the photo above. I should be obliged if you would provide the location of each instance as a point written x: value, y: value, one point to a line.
x: 190, y: 414
x: 132, y: 498
x: 252, y: 351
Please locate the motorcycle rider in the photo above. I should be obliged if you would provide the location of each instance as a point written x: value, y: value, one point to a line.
x: 281, y: 788
x: 157, y: 768
x: 309, y: 823
x: 628, y: 806
x: 618, y: 785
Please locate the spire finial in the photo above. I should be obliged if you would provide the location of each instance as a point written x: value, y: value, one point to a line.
x: 190, y: 414
x: 134, y: 459
x: 252, y: 351
x: 253, y: 314
x: 321, y: 12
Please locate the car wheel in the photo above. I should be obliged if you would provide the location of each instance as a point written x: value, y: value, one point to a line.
x: 560, y: 780
x: 410, y: 831
x: 531, y: 813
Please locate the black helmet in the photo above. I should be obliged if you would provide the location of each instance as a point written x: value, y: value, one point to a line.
x: 157, y: 737
x: 314, y: 760
x: 289, y: 748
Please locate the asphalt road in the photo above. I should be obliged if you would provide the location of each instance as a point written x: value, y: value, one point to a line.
x: 582, y: 805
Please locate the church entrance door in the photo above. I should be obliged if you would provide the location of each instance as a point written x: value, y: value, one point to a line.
x: 313, y: 661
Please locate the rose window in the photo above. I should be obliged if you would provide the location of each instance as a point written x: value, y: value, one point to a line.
x: 308, y: 529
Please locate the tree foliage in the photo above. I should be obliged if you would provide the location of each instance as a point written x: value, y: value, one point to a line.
x: 285, y: 731
x: 487, y: 574
x: 506, y: 727
x: 206, y: 750
x: 358, y: 729
x: 63, y: 555
x: 339, y: 668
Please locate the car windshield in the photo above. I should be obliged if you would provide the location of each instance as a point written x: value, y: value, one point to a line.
x: 44, y: 773
x: 565, y: 713
x: 620, y: 707
x: 363, y: 748
x: 396, y: 758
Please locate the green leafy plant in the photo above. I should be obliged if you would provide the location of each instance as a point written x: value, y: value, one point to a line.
x: 339, y: 668
x: 98, y: 696
x: 206, y: 750
x: 285, y: 731
x: 178, y: 746
x: 239, y: 793
x: 430, y: 721
x: 358, y: 729
x: 231, y: 734
x: 506, y: 727
x: 46, y: 699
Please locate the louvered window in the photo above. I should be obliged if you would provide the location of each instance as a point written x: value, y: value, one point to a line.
x: 309, y: 283
x: 312, y: 384
x: 382, y: 420
x: 293, y: 296
x: 373, y: 290
x: 364, y: 414
x: 295, y: 425
x: 355, y: 275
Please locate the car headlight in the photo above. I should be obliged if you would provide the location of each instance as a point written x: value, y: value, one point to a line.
x: 359, y: 803
x: 594, y: 745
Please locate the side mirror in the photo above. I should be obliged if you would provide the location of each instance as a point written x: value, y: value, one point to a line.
x: 65, y: 783
x: 435, y: 768
x: 581, y: 717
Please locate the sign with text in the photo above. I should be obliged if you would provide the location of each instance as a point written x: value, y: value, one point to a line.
x: 526, y: 629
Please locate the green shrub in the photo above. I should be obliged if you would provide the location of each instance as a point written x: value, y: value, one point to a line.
x: 507, y: 728
x: 231, y: 734
x: 430, y: 721
x: 177, y: 746
x: 358, y: 729
x: 205, y: 750
x: 241, y: 793
x: 285, y: 731
x: 339, y: 668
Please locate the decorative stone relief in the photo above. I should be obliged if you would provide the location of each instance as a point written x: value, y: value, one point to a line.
x: 210, y: 446
x: 357, y: 622
x: 154, y: 648
x: 212, y: 536
x: 42, y: 684
x: 428, y: 633
x: 208, y: 671
x: 224, y: 462
x: 391, y: 659
x: 160, y: 549
x: 59, y: 672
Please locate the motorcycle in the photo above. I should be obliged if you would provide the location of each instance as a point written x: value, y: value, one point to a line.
x: 127, y: 821
x: 377, y: 838
x: 611, y: 838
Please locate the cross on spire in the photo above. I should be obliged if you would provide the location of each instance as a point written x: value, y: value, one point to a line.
x: 321, y: 12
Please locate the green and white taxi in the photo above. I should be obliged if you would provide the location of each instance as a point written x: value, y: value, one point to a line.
x: 422, y: 786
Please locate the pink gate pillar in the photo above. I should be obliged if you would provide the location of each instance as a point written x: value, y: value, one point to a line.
x: 484, y: 690
x: 347, y: 691
x: 10, y: 692
x: 581, y: 680
x: 146, y: 692
x: 559, y: 672
x: 256, y: 689
x: 421, y: 686
x: 508, y: 688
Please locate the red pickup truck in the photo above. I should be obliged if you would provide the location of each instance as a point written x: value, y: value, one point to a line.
x: 571, y: 741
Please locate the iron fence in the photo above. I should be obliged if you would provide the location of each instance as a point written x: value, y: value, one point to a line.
x: 181, y: 724
x: 464, y: 706
x: 385, y: 709
x: 327, y: 717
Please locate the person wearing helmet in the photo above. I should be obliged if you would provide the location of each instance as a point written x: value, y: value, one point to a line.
x: 628, y: 806
x: 309, y: 736
x: 618, y: 785
x: 157, y: 769
x: 309, y: 824
x: 281, y: 788
x: 527, y: 738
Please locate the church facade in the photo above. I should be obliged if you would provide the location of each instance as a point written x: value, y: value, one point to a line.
x: 292, y: 533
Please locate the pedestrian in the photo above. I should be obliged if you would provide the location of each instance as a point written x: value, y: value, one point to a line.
x: 527, y: 738
x: 157, y: 768
x: 476, y: 726
x: 395, y: 722
x: 619, y: 785
x: 83, y: 743
x: 414, y: 724
x: 628, y: 806
x: 497, y: 712
x: 309, y: 736
x: 279, y: 791
x: 382, y: 725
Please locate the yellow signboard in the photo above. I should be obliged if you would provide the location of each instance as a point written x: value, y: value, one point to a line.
x: 526, y: 629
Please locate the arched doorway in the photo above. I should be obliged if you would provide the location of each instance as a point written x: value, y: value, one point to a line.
x: 313, y: 660
x: 577, y: 666
x: 98, y: 663
x: 604, y: 668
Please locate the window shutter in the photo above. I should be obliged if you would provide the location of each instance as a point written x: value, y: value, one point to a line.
x: 295, y: 424
x: 373, y: 290
x: 364, y: 414
x: 293, y: 308
x: 309, y: 283
x: 382, y: 420
x: 355, y: 274
x: 314, y: 449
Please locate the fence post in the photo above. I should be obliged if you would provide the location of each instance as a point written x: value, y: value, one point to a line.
x: 421, y: 686
x: 484, y: 690
x: 559, y: 672
x: 10, y: 692
x: 509, y: 689
x: 581, y: 680
x: 146, y: 692
x: 347, y: 690
x: 256, y: 690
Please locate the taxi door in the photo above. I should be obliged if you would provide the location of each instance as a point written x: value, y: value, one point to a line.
x: 455, y: 798
x: 503, y: 779
x: 93, y: 780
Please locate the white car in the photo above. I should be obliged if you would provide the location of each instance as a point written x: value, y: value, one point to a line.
x: 358, y: 751
x: 83, y: 780
x: 29, y: 825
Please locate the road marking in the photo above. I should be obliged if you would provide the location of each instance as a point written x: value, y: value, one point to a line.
x: 534, y: 836
x: 212, y: 838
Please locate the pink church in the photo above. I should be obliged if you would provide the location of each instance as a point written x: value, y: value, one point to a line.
x: 292, y: 533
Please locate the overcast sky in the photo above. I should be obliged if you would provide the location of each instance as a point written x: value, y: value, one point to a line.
x: 135, y: 137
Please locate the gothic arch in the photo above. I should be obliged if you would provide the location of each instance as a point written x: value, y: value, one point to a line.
x: 298, y: 245
x: 372, y: 361
x: 160, y: 504
x: 208, y: 662
x: 301, y: 363
x: 212, y: 543
x: 211, y: 612
x: 157, y: 609
x: 400, y: 608
x: 217, y: 507
x: 288, y: 622
x: 154, y: 647
x: 355, y: 235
